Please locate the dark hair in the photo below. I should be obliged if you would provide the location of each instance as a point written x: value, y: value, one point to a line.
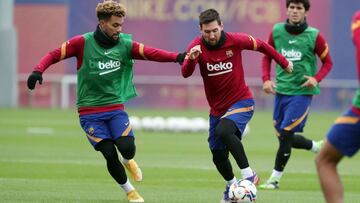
x: 208, y: 16
x: 306, y: 3
x: 108, y: 8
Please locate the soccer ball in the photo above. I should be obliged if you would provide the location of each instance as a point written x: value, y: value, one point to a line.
x: 242, y: 191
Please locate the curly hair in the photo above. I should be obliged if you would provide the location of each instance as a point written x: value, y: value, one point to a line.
x: 108, y: 8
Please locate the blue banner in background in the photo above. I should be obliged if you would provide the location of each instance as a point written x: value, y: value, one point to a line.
x: 342, y: 47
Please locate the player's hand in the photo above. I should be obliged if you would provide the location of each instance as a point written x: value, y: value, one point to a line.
x: 181, y: 57
x: 269, y: 86
x: 194, y: 52
x: 310, y: 82
x: 33, y: 78
x: 290, y: 67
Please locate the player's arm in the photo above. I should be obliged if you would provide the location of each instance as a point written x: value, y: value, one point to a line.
x: 266, y: 62
x: 191, y: 59
x: 250, y: 43
x: 268, y: 85
x: 143, y: 52
x: 322, y: 50
x: 70, y: 48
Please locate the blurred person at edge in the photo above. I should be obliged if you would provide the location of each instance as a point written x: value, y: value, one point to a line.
x: 343, y: 139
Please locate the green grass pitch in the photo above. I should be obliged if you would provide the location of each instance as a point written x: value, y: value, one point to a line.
x: 45, y: 157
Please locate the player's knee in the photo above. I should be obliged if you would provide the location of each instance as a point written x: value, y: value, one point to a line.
x: 286, y: 139
x: 219, y: 156
x: 126, y: 147
x: 225, y: 128
x: 318, y: 160
x: 108, y: 150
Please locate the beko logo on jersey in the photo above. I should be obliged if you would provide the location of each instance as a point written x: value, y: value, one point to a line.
x: 292, y: 54
x: 221, y: 67
x: 109, y: 66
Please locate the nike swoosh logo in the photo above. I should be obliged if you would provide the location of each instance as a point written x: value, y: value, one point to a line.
x: 109, y: 71
x: 292, y: 41
x: 288, y: 154
x: 127, y: 123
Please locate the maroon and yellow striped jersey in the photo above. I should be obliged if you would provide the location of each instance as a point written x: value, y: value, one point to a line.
x: 222, y: 70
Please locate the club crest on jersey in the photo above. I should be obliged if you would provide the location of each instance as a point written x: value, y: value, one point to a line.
x: 229, y: 53
x: 91, y: 131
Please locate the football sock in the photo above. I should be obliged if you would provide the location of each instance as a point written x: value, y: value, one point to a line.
x: 125, y: 161
x: 229, y: 182
x: 276, y: 174
x: 226, y: 129
x: 127, y: 187
x: 247, y: 172
x: 283, y: 154
x: 300, y: 142
x: 314, y: 148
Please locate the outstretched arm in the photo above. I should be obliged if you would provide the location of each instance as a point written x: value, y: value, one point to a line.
x: 70, y: 48
x: 143, y: 52
x: 73, y: 47
x: 269, y: 51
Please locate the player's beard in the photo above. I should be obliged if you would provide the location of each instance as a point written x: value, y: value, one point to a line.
x: 216, y: 43
x: 213, y: 42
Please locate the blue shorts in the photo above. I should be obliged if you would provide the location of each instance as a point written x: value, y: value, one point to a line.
x: 291, y: 111
x: 240, y: 112
x: 344, y: 135
x: 107, y: 125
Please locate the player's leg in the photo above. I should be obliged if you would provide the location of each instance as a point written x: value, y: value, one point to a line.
x: 223, y: 165
x: 295, y: 118
x: 220, y: 157
x: 227, y: 131
x: 296, y: 109
x: 326, y: 164
x: 123, y: 136
x: 301, y: 142
x: 285, y: 138
x: 230, y: 129
x: 125, y: 141
x: 117, y: 171
x: 114, y: 166
x: 98, y: 134
x: 343, y: 139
